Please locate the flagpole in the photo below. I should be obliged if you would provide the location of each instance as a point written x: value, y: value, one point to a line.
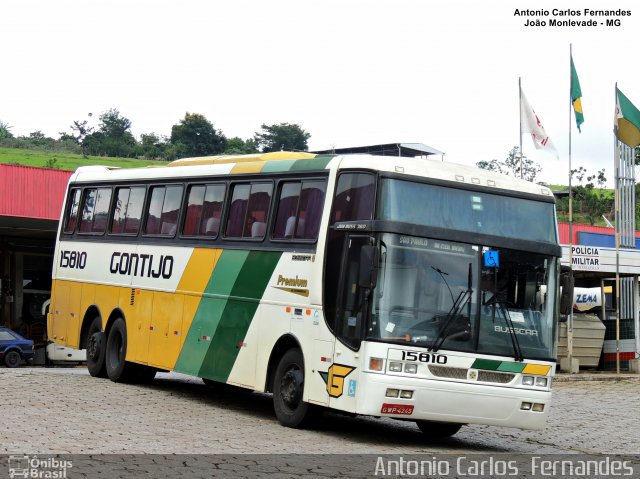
x: 617, y: 235
x: 570, y: 323
x: 520, y: 105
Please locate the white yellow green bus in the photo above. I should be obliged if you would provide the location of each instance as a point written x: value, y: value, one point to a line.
x: 374, y: 285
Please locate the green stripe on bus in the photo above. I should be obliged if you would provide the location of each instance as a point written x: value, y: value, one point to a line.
x: 210, y: 310
x: 238, y: 314
x: 489, y: 364
x: 511, y: 367
x: 320, y: 162
x: 277, y: 166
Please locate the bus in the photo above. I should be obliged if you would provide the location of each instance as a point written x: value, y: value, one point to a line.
x: 372, y: 285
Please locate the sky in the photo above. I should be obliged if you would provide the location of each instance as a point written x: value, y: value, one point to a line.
x: 350, y: 72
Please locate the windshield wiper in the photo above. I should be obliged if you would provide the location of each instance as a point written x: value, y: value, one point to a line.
x: 459, y: 303
x: 515, y: 344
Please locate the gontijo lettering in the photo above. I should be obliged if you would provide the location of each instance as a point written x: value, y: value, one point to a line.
x: 143, y: 265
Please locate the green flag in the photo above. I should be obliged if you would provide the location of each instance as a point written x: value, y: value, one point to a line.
x: 576, y: 95
x: 627, y: 121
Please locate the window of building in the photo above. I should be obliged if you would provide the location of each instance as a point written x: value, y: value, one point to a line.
x: 95, y: 210
x: 164, y: 209
x: 249, y: 210
x: 300, y: 208
x: 71, y: 217
x: 127, y: 210
x: 204, y: 210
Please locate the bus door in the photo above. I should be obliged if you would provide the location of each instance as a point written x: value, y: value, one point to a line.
x: 356, y: 282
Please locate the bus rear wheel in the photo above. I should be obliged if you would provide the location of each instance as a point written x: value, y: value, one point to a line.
x: 439, y: 429
x: 117, y: 368
x: 95, y: 349
x: 288, y: 390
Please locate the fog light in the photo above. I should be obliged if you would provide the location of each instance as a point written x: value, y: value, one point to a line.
x: 392, y: 393
x: 411, y: 368
x: 527, y: 380
x: 376, y: 364
x: 406, y: 394
x: 537, y: 407
x: 526, y: 406
x: 541, y: 381
x: 395, y: 367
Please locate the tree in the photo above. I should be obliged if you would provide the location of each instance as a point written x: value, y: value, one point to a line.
x: 113, y: 137
x: 4, y: 130
x: 512, y: 166
x: 81, y: 130
x: 283, y: 136
x: 196, y: 136
x: 237, y: 146
x: 153, y: 146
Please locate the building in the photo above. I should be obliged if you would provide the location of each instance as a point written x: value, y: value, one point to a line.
x: 591, y: 252
x: 30, y: 202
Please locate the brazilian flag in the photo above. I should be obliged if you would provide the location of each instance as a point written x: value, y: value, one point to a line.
x: 576, y: 95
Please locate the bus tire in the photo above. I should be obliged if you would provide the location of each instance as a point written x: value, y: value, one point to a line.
x: 118, y: 370
x: 288, y: 390
x: 438, y: 429
x: 96, y: 345
x: 12, y: 359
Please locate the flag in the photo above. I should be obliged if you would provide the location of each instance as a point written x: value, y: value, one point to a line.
x: 576, y: 95
x: 627, y: 121
x: 531, y: 124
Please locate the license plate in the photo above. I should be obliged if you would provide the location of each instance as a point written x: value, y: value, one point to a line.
x: 397, y: 409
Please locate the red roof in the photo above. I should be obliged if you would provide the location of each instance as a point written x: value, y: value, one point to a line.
x: 30, y: 192
x: 563, y: 230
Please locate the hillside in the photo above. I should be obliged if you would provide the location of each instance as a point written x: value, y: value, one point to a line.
x: 62, y: 160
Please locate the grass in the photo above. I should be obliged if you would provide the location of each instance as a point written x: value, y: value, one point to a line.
x: 66, y: 161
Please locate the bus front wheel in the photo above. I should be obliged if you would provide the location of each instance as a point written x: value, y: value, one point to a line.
x: 439, y: 429
x: 288, y: 389
x: 95, y: 349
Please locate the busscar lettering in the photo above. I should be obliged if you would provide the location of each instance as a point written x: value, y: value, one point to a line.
x: 141, y: 265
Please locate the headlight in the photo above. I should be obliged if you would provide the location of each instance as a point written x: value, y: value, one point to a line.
x: 395, y: 367
x: 392, y: 393
x: 527, y: 380
x: 411, y: 368
x: 541, y: 381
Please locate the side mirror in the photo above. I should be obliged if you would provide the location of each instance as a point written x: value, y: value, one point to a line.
x: 567, y: 284
x: 368, y: 273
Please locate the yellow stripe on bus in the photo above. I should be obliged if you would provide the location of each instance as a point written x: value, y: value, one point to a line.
x: 538, y: 369
x: 198, y: 271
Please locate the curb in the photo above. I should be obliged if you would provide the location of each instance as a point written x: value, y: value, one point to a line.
x: 565, y: 377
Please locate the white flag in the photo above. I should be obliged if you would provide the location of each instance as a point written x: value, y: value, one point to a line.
x: 531, y: 124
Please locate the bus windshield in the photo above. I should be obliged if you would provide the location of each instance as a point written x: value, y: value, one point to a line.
x: 463, y: 297
x: 475, y: 212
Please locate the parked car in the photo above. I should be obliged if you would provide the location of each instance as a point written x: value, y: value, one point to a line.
x: 14, y: 348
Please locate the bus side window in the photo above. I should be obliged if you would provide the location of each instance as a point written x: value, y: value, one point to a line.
x: 71, y: 217
x: 354, y: 199
x: 249, y: 210
x: 299, y: 210
x: 95, y: 210
x: 164, y: 209
x: 204, y: 209
x: 127, y: 210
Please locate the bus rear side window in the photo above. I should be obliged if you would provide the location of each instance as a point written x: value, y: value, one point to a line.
x: 95, y: 210
x: 299, y: 210
x: 164, y: 209
x: 204, y: 209
x: 127, y: 210
x: 71, y: 216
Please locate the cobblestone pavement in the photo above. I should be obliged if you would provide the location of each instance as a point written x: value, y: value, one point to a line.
x: 65, y: 411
